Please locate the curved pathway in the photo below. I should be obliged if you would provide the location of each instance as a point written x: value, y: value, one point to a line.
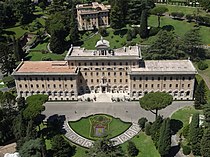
x: 84, y: 142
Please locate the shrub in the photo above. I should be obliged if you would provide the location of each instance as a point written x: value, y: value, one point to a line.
x: 142, y: 122
x: 129, y: 35
x: 148, y: 128
x: 202, y: 65
x: 189, y: 17
x: 153, y: 31
x: 103, y: 32
x: 177, y: 14
x: 186, y: 150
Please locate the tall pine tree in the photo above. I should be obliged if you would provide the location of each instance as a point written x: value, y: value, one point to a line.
x: 164, y: 142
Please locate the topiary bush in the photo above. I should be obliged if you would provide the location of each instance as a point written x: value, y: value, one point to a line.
x: 148, y: 129
x: 142, y: 122
x: 154, y: 30
x: 186, y: 150
x: 202, y: 65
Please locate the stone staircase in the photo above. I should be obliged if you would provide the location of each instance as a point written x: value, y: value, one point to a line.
x: 103, y: 97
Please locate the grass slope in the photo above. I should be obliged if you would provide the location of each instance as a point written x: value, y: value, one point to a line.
x: 184, y: 114
x: 37, y: 56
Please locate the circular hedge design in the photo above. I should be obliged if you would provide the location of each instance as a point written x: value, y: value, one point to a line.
x: 97, y: 126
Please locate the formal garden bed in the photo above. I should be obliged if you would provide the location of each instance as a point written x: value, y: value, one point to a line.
x: 96, y: 126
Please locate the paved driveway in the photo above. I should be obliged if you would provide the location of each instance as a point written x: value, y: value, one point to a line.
x: 127, y: 111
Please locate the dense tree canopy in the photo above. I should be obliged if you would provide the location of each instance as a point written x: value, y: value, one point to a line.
x: 155, y: 101
x: 61, y: 148
x: 166, y: 46
x: 192, y: 43
x: 105, y: 148
x: 32, y: 148
x: 35, y: 106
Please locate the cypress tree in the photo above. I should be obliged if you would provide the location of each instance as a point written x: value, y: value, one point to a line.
x: 206, y: 113
x: 200, y: 95
x: 155, y: 130
x: 194, y: 134
x: 143, y: 26
x: 164, y: 142
x: 116, y: 16
x: 74, y: 34
x: 205, y: 143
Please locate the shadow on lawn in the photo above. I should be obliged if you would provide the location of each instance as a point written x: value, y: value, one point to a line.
x: 54, y: 126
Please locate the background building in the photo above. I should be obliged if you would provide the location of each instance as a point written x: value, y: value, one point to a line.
x: 92, y: 15
x: 118, y: 72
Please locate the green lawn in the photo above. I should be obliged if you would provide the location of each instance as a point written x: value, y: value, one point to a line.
x: 184, y: 114
x: 18, y: 31
x: 183, y: 9
x: 37, y: 56
x: 181, y: 27
x: 116, y: 41
x: 42, y: 45
x: 83, y: 127
x: 145, y: 145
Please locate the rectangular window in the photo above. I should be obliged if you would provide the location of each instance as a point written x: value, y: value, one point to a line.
x: 115, y: 80
x: 152, y: 85
x: 120, y: 80
x: 164, y: 85
x: 170, y: 85
x: 182, y: 85
x: 145, y: 85
x: 91, y: 80
x: 177, y: 85
x: 158, y: 85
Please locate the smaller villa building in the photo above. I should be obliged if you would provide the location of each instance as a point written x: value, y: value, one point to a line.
x: 92, y: 15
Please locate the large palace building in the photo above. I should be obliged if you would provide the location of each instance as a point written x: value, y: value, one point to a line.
x: 92, y: 15
x: 105, y: 70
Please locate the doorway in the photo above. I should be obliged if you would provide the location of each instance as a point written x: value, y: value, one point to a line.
x: 103, y: 89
